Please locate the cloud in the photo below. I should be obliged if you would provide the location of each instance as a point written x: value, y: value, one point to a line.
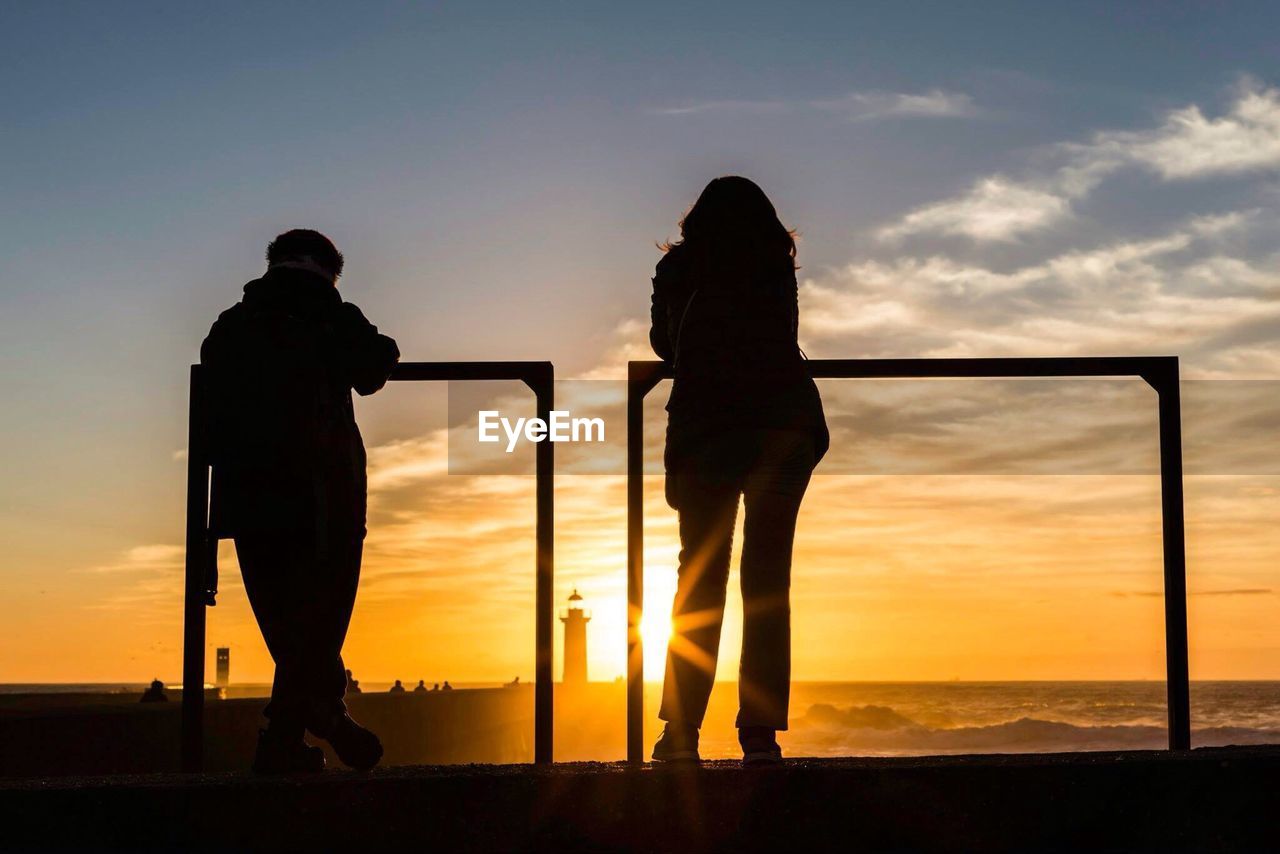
x: 936, y: 103
x: 995, y: 209
x: 729, y: 106
x: 856, y: 106
x: 1190, y: 145
x: 145, y: 582
x: 159, y: 557
x: 1186, y: 145
x: 1180, y: 291
x: 401, y: 462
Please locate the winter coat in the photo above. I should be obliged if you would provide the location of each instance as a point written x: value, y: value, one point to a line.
x: 280, y: 366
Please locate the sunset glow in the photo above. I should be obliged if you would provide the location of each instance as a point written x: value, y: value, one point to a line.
x: 498, y: 201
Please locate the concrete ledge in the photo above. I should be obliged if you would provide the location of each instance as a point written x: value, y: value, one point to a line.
x: 1211, y: 799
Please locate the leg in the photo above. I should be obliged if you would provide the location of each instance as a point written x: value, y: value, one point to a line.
x: 336, y: 582
x: 337, y: 577
x: 274, y: 575
x: 302, y: 598
x: 774, y: 490
x: 708, y: 507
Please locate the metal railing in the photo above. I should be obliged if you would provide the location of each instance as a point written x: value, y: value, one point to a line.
x: 202, y: 547
x: 1160, y: 372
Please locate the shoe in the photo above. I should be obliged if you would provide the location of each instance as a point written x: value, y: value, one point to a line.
x: 286, y: 755
x: 678, y: 743
x: 759, y: 746
x: 357, y: 747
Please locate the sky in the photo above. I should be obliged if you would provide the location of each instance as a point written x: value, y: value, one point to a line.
x: 967, y: 179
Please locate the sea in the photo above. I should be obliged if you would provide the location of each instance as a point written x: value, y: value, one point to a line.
x: 923, y: 718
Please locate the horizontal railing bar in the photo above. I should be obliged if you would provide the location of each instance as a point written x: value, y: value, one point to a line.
x: 463, y: 371
x: 964, y: 368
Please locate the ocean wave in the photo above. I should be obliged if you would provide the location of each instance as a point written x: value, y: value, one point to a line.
x: 826, y: 729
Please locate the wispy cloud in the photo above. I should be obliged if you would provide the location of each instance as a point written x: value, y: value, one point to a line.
x: 1180, y: 291
x: 160, y: 557
x: 1186, y: 145
x: 935, y: 103
x: 857, y: 106
x: 1189, y: 144
x: 994, y: 209
x: 730, y: 106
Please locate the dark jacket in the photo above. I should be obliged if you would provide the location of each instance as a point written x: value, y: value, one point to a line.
x: 730, y: 331
x: 280, y: 366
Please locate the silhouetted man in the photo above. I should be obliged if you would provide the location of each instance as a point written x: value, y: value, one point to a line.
x: 289, y: 483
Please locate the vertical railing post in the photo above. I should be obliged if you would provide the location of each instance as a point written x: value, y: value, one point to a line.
x: 641, y: 378
x: 1173, y: 527
x: 197, y: 559
x: 544, y: 467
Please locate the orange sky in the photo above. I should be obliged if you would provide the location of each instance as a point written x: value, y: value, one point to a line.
x: 914, y: 577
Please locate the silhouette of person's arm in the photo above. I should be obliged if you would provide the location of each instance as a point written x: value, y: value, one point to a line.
x: 218, y: 355
x: 660, y: 313
x: 367, y: 355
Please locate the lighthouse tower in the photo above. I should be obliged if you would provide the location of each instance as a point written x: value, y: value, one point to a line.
x: 575, y: 641
x: 223, y: 679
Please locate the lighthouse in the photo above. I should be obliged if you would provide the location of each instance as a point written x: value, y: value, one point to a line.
x: 223, y: 679
x: 575, y: 641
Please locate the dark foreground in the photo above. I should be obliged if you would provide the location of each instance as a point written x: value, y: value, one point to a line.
x: 1211, y: 799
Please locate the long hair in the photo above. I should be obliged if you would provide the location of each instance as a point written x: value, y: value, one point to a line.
x: 734, y: 224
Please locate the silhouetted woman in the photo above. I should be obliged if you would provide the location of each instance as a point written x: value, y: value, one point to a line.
x: 744, y: 419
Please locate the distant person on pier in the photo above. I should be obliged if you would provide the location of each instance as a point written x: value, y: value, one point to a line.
x: 155, y: 693
x: 396, y: 688
x: 422, y: 687
x: 289, y: 483
x: 744, y: 421
x: 447, y: 686
x: 353, y: 684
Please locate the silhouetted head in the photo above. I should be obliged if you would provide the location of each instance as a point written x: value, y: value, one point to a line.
x: 305, y: 249
x: 734, y: 219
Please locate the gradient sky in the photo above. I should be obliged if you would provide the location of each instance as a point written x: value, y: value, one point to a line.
x: 968, y: 179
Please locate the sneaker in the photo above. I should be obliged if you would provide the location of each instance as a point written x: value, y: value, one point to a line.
x: 678, y: 743
x: 357, y: 747
x: 759, y: 746
x: 286, y: 755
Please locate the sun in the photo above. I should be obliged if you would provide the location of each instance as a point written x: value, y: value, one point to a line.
x: 610, y: 621
x: 655, y: 632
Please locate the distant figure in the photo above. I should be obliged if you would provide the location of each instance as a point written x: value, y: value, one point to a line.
x: 435, y: 687
x: 422, y: 687
x: 396, y: 688
x: 514, y: 683
x: 289, y: 483
x: 744, y: 420
x: 447, y: 686
x: 353, y: 684
x: 155, y: 694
